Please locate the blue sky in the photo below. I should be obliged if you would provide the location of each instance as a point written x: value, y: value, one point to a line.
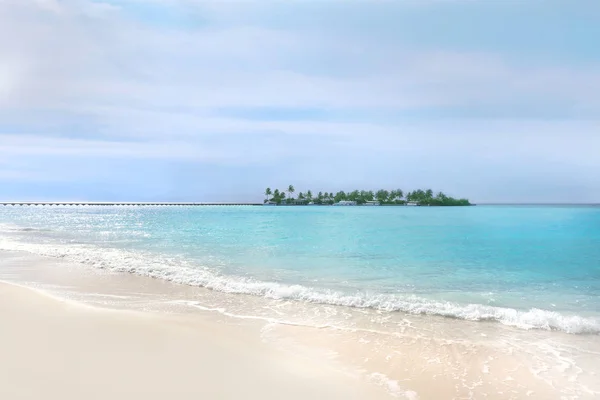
x: 215, y: 100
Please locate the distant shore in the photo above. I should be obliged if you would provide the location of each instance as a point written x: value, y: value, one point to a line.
x: 395, y: 197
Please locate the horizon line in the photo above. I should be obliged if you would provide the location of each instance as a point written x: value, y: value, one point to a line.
x: 491, y: 203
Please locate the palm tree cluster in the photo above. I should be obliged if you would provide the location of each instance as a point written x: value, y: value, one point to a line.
x: 384, y: 197
x: 426, y: 198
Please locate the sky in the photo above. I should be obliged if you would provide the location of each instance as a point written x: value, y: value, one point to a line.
x: 190, y: 100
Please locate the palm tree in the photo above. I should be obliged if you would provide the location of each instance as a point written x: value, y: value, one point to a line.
x: 267, y: 194
x: 291, y: 191
x: 399, y: 194
x: 419, y: 195
x: 309, y: 195
x: 382, y: 195
x: 340, y: 196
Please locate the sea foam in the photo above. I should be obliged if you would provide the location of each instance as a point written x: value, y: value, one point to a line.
x: 183, y: 271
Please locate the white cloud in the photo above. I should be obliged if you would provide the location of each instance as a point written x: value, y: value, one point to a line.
x: 78, y: 57
x: 159, y: 91
x: 37, y: 145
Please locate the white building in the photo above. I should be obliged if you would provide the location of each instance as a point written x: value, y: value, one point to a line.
x: 372, y: 203
x: 345, y: 203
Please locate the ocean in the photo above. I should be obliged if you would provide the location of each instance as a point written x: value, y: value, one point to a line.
x: 534, y: 270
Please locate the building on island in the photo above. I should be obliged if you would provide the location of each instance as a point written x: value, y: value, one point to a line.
x: 345, y: 203
x: 372, y: 203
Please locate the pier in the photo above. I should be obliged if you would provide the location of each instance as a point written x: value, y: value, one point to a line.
x: 46, y: 203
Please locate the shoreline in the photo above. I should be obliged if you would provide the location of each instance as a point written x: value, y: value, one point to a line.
x: 59, y: 350
x: 177, y: 271
x: 408, y: 356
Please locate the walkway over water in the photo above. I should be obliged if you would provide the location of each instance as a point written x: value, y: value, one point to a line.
x: 122, y: 204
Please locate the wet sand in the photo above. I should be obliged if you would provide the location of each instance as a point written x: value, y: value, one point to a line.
x: 54, y: 349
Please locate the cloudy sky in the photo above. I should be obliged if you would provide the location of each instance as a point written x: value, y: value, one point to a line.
x: 215, y: 100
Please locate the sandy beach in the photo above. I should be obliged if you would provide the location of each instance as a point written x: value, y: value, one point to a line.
x: 70, y: 332
x: 55, y: 349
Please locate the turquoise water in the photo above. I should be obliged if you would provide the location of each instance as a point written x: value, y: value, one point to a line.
x: 527, y: 266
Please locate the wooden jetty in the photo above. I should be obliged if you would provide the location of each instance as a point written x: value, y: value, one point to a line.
x: 46, y: 203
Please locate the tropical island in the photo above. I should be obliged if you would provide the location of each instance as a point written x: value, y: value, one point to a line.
x: 396, y: 197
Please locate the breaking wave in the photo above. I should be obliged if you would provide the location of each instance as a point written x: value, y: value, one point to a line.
x: 179, y: 270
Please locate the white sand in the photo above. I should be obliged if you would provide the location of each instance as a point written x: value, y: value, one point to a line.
x: 51, y: 349
x: 105, y: 347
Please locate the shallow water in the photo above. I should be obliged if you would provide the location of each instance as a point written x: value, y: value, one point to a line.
x: 526, y: 266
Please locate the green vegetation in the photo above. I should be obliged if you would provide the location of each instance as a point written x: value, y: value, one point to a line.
x: 428, y: 199
x: 383, y: 197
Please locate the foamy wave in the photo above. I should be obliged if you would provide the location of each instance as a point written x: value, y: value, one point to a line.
x: 181, y: 271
